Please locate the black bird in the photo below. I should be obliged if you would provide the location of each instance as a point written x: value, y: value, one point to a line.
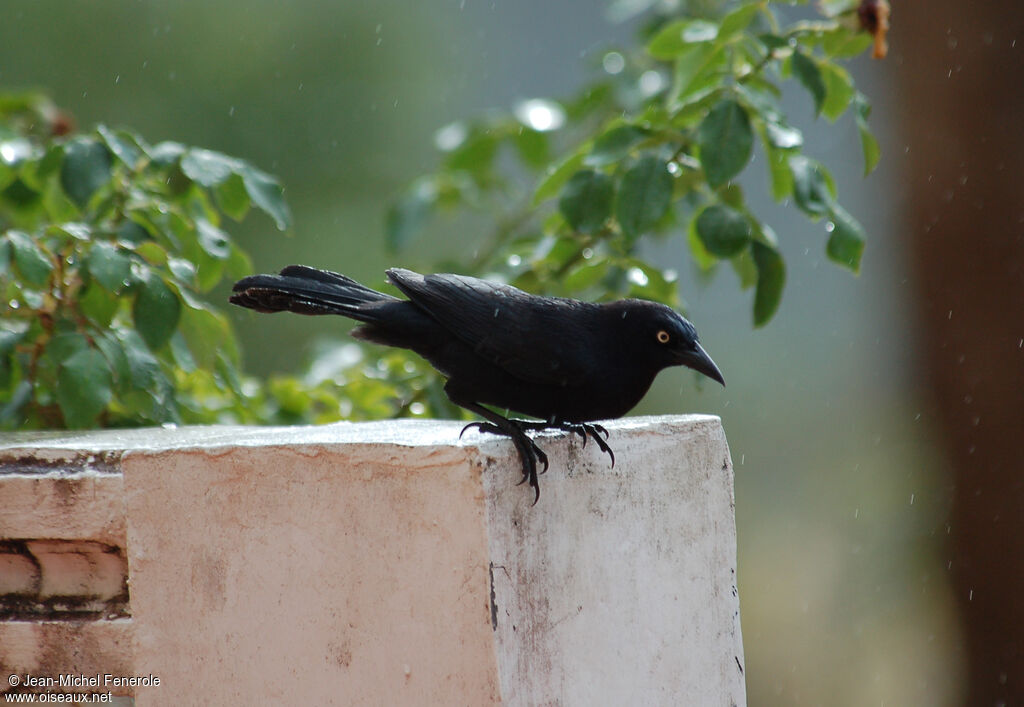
x: 564, y: 361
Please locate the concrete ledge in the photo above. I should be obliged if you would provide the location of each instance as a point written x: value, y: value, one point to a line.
x: 387, y: 563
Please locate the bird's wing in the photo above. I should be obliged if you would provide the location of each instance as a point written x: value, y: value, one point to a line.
x: 537, y: 339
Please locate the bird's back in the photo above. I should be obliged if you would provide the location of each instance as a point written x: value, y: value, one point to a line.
x: 542, y: 340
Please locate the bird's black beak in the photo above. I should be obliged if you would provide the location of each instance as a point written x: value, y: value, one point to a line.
x: 697, y: 359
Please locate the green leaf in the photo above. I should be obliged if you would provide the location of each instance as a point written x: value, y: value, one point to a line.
x: 152, y: 253
x: 123, y: 147
x: 773, y: 41
x: 21, y: 395
x: 65, y: 345
x: 73, y: 230
x: 476, y: 153
x: 207, y: 335
x: 30, y: 258
x: 405, y: 217
x: 267, y: 194
x: 846, y: 244
x: 703, y: 259
x: 143, y: 368
x: 156, y: 311
x: 184, y: 271
x: 167, y: 153
x: 556, y: 177
x: 207, y: 167
x: 746, y: 270
x: 783, y: 137
x: 872, y: 152
x: 691, y: 65
x: 723, y: 231
x: 532, y: 146
x: 232, y: 198
x: 586, y: 201
x: 644, y: 195
x: 651, y: 283
x: 737, y: 20
x: 842, y: 43
x: 839, y: 90
x: 214, y: 241
x: 807, y: 72
x: 5, y: 256
x: 109, y: 265
x: 586, y: 275
x: 98, y: 304
x: 615, y: 144
x: 131, y: 232
x: 771, y: 279
x: 810, y: 190
x: 726, y: 142
x: 83, y: 387
x: 86, y: 168
x: 677, y: 36
x: 239, y: 264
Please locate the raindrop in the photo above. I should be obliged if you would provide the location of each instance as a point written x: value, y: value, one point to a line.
x: 540, y: 114
x: 637, y: 277
x: 651, y: 82
x: 231, y: 112
x: 587, y: 253
x: 450, y: 136
x: 613, y: 62
x: 417, y: 408
x: 513, y: 260
x: 830, y: 226
x: 674, y: 169
x: 911, y: 499
x: 951, y: 42
x: 856, y: 513
x: 117, y: 79
x: 11, y: 152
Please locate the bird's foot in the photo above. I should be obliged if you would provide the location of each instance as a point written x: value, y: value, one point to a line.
x: 529, y: 453
x: 583, y: 429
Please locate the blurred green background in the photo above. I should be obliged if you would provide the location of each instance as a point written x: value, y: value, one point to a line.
x: 841, y: 497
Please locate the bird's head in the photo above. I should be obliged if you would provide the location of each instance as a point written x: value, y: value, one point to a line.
x: 664, y: 337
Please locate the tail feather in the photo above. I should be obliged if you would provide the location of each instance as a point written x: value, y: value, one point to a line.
x: 306, y: 290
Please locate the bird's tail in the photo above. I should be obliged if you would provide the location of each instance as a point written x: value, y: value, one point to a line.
x: 306, y: 290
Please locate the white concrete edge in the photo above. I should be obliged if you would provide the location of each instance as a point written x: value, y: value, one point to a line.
x: 57, y: 446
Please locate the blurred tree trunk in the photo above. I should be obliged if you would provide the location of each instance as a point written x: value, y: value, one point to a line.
x: 961, y: 68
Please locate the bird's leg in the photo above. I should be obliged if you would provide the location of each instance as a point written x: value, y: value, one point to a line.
x: 583, y: 429
x: 529, y: 452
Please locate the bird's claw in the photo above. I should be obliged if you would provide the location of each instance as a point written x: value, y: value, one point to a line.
x: 529, y: 452
x: 585, y: 430
x: 485, y: 427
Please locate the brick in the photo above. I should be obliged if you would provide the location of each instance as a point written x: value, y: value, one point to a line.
x: 18, y: 574
x: 79, y: 569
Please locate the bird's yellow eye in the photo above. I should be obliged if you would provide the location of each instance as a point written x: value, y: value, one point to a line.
x: 663, y: 336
